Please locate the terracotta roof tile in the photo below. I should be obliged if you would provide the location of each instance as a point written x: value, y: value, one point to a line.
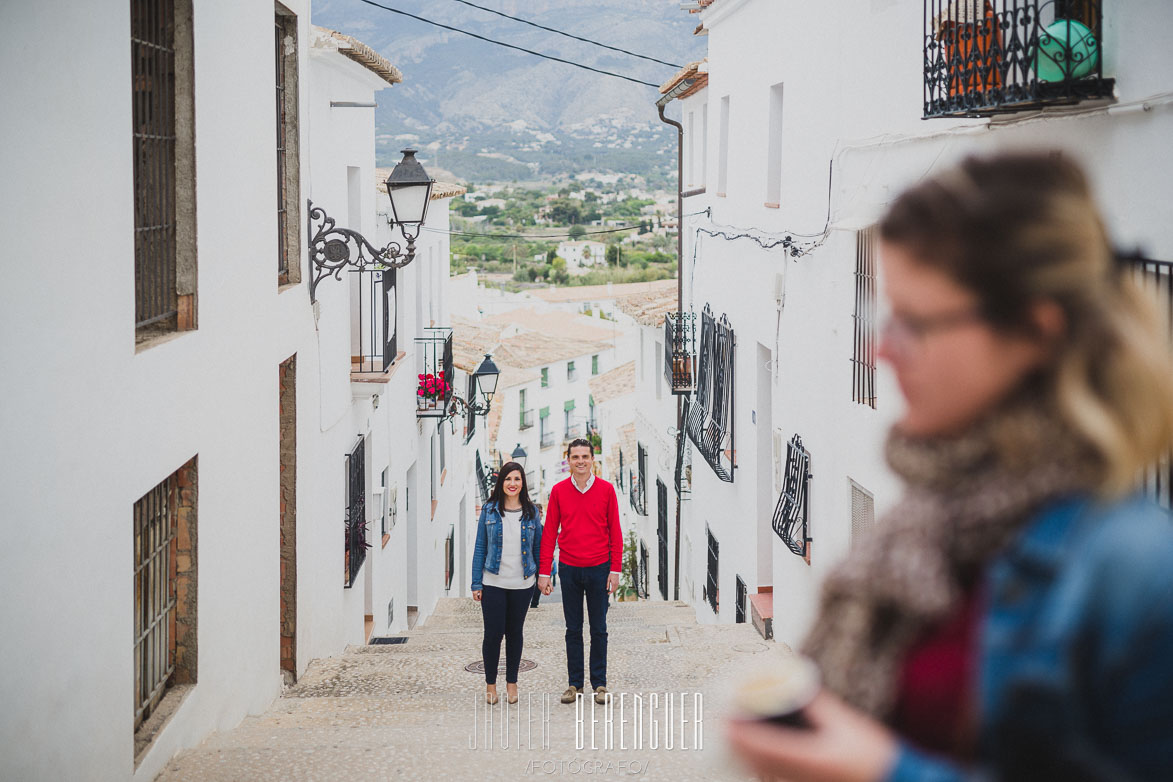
x: 613, y: 383
x: 362, y: 54
x: 648, y: 309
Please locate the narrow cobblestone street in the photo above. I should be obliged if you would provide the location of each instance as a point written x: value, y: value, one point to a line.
x: 406, y: 711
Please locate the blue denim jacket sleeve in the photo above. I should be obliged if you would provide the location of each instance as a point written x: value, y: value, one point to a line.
x: 478, y: 553
x: 536, y: 543
x: 1077, y: 680
x: 912, y: 765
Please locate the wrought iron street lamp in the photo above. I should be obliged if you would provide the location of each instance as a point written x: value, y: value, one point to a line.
x: 410, y: 189
x: 519, y: 455
x: 484, y: 387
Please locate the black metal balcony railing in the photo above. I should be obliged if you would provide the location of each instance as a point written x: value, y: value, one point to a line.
x: 791, y: 518
x: 710, y: 415
x: 641, y: 584
x: 1156, y: 279
x: 680, y: 351
x: 356, y: 512
x: 527, y: 419
x: 434, y: 387
x: 547, y: 439
x: 984, y: 57
x: 484, y: 481
x: 375, y: 336
x: 572, y: 430
x: 636, y: 495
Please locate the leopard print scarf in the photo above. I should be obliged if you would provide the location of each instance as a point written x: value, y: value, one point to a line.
x: 966, y: 497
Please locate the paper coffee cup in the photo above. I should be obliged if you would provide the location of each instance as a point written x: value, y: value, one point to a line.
x: 780, y: 693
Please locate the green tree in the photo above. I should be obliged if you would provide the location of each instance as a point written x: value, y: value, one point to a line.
x: 577, y: 232
x: 551, y: 254
x: 612, y: 255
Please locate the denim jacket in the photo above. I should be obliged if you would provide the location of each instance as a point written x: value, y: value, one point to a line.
x: 486, y: 554
x: 1075, y: 679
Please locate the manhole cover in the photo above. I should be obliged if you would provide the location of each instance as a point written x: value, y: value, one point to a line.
x: 752, y: 648
x: 479, y: 666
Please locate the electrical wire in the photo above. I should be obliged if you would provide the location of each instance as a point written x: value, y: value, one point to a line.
x: 568, y: 35
x: 511, y: 46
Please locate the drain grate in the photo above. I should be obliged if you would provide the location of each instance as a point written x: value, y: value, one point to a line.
x: 479, y: 666
x: 390, y: 639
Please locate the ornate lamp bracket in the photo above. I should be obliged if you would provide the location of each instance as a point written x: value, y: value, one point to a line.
x: 332, y: 249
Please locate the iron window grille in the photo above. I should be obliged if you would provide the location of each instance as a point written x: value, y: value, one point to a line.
x: 710, y: 415
x: 742, y: 597
x: 545, y: 433
x: 153, y: 109
x: 984, y: 57
x: 435, y: 364
x: 449, y: 557
x: 356, y: 512
x: 639, y: 486
x: 863, y: 358
x: 712, y: 593
x: 1156, y: 279
x: 620, y: 480
x: 484, y: 481
x: 662, y: 538
x: 288, y: 197
x: 154, y: 596
x: 791, y: 517
x: 571, y: 372
x: 680, y: 351
x: 527, y: 419
x: 642, y: 582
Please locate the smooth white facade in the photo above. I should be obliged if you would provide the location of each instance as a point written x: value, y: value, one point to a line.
x: 90, y: 425
x: 844, y: 94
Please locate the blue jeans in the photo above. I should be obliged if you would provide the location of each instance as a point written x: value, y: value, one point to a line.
x: 591, y: 583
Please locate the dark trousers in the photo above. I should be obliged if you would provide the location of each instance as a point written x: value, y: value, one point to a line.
x: 591, y: 583
x: 504, y: 614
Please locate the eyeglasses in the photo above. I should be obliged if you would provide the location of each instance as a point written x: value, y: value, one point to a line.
x: 906, y: 333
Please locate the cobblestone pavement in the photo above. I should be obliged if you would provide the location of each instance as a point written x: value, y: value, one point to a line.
x: 408, y: 711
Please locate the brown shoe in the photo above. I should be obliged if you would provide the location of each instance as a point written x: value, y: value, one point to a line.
x: 510, y: 696
x: 571, y: 692
x: 491, y: 697
x: 600, y: 695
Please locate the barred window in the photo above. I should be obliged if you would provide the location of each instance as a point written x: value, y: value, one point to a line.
x: 162, y: 113
x: 288, y: 190
x: 863, y: 358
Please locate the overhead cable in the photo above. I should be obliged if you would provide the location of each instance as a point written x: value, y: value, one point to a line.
x: 568, y: 35
x: 511, y: 46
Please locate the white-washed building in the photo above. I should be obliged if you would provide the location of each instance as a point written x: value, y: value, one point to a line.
x: 796, y: 151
x: 204, y: 449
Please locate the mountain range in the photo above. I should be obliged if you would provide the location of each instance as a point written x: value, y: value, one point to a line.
x: 488, y: 113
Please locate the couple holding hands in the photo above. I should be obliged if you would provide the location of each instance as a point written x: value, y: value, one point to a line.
x: 514, y: 556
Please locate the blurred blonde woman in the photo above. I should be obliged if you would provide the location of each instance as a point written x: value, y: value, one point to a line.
x: 1012, y: 616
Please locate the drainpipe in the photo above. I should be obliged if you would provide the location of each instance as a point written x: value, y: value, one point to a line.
x: 661, y: 104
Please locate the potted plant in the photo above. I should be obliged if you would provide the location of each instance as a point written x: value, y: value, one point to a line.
x: 432, y: 389
x: 630, y: 573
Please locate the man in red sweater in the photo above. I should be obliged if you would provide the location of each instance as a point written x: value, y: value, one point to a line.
x: 582, y: 518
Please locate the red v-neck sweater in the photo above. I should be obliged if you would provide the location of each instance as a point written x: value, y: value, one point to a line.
x: 585, y: 527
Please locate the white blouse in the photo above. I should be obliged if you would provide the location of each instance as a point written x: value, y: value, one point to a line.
x: 511, y: 573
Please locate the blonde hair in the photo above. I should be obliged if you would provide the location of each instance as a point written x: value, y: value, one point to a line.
x: 1019, y: 228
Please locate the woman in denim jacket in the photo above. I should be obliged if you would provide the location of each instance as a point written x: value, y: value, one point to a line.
x: 1011, y: 618
x: 504, y: 573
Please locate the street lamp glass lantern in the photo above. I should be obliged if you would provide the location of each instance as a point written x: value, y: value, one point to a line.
x: 410, y: 189
x: 486, y: 376
x: 519, y: 455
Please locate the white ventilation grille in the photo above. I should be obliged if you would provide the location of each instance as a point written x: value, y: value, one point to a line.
x: 863, y: 511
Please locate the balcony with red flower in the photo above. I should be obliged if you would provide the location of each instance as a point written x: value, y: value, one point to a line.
x: 435, y: 376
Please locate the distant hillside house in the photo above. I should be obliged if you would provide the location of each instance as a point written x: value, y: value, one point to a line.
x: 582, y: 256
